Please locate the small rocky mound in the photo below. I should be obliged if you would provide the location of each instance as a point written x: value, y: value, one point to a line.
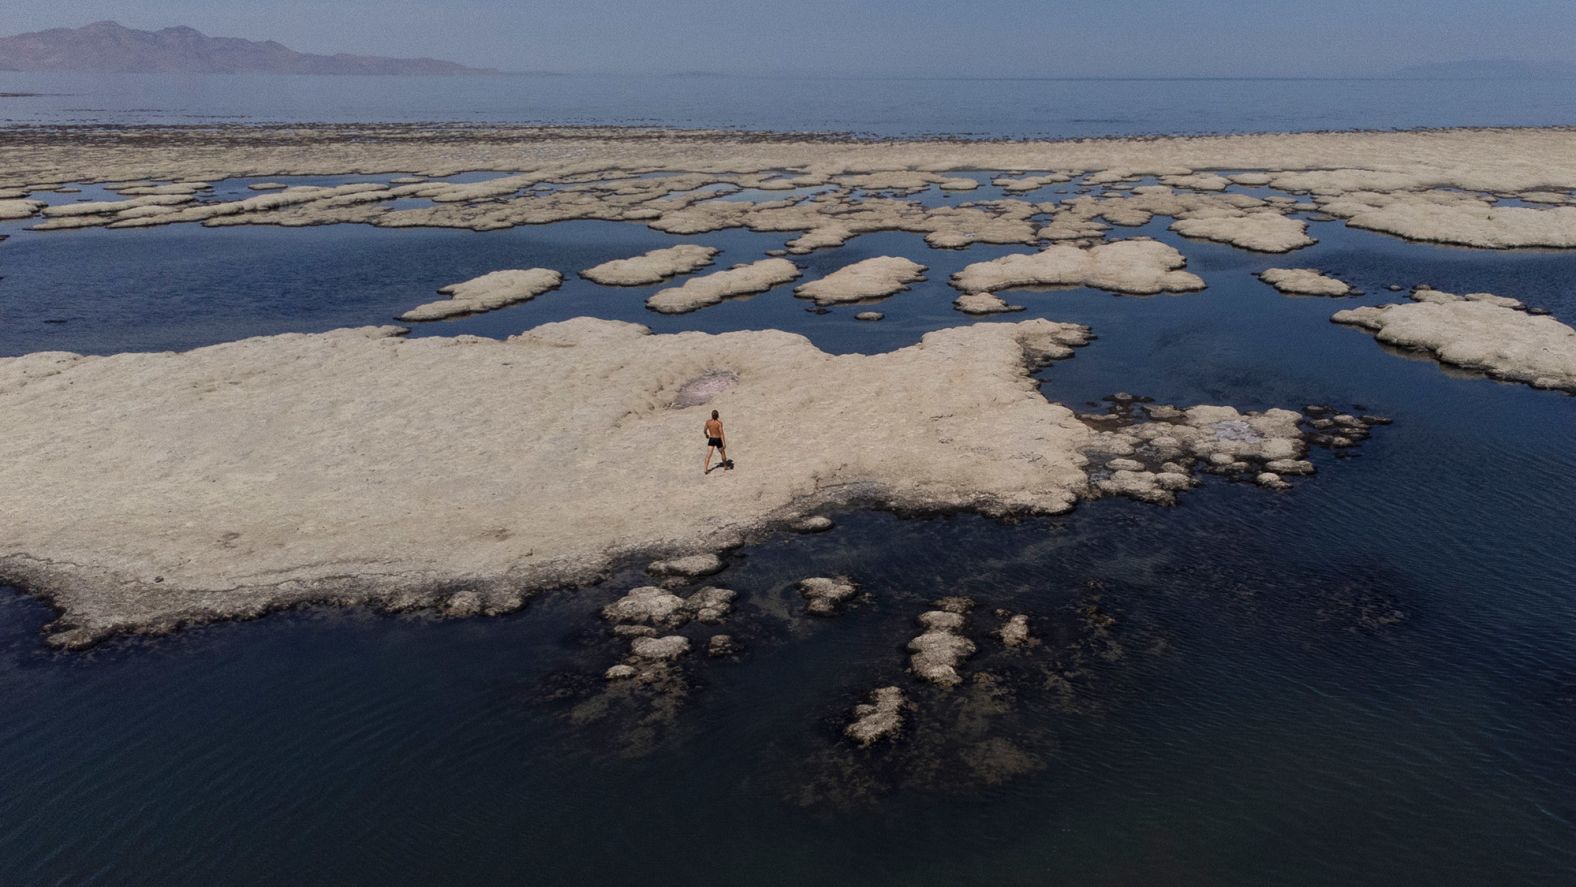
x: 688, y: 567
x: 1154, y: 459
x: 1305, y: 282
x: 650, y: 605
x: 710, y: 604
x: 1492, y: 334
x: 878, y: 719
x: 825, y: 597
x: 1015, y: 631
x: 663, y: 649
x: 983, y: 303
x: 937, y: 652
x: 815, y: 523
x: 647, y: 605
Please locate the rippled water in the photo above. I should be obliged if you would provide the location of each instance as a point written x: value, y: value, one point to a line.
x: 1010, y: 108
x: 1370, y: 679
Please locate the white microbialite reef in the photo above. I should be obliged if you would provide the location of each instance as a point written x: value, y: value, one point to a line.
x: 1479, y: 331
x: 144, y: 491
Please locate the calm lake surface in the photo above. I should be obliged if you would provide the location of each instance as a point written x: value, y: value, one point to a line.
x: 1368, y: 680
x: 886, y: 107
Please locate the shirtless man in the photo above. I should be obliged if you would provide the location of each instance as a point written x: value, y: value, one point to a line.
x: 716, y: 439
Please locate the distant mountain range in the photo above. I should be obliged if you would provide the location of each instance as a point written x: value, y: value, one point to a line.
x: 1490, y: 69
x: 109, y: 47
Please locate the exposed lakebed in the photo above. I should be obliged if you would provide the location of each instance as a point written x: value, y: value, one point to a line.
x: 1333, y: 683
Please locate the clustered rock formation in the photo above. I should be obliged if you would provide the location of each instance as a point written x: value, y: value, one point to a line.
x: 1478, y: 331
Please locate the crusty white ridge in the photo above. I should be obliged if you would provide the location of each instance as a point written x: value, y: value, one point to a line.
x: 1304, y: 282
x: 711, y: 289
x: 1478, y: 331
x: 651, y: 267
x: 1140, y: 267
x: 145, y: 490
x: 486, y: 293
x: 869, y: 279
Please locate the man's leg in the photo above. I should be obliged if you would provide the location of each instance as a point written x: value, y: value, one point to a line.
x: 708, y: 459
x: 724, y: 452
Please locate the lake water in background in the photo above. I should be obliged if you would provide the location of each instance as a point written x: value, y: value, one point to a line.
x: 1367, y: 680
x: 1057, y: 108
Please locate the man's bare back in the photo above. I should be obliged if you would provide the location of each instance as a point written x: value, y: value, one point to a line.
x: 716, y: 439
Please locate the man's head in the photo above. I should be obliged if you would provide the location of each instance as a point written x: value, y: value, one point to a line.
x: 714, y: 415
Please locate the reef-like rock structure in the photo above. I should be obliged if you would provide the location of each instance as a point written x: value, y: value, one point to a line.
x: 880, y: 718
x: 826, y: 596
x: 1150, y: 451
x: 1015, y: 631
x: 984, y: 303
x: 689, y: 566
x: 1265, y: 232
x: 1305, y: 282
x: 1479, y: 331
x: 144, y: 491
x: 486, y: 293
x: 937, y: 652
x: 1139, y: 267
x: 651, y: 267
x: 862, y: 281
x: 710, y: 289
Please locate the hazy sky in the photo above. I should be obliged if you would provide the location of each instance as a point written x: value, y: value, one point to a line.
x: 897, y: 37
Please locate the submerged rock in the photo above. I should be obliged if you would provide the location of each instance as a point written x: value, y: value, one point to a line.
x: 710, y: 604
x: 936, y: 655
x: 937, y: 652
x: 1153, y: 460
x: 1015, y: 631
x: 880, y: 718
x: 826, y: 596
x: 869, y: 315
x: 663, y: 649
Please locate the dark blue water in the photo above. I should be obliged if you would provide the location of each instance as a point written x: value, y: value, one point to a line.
x: 888, y: 107
x: 1368, y: 680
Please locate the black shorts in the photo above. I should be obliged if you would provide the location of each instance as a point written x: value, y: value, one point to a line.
x: 714, y: 442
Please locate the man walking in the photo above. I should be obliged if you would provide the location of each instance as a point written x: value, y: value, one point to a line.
x: 716, y: 439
